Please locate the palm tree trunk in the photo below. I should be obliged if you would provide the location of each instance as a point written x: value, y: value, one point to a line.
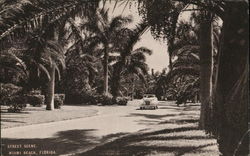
x: 206, y: 67
x: 231, y: 98
x: 49, y: 96
x: 133, y: 87
x: 105, y: 72
x: 170, y: 62
x: 172, y: 38
x: 117, y: 76
x: 116, y: 82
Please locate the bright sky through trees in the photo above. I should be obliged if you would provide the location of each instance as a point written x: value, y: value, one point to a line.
x: 159, y: 59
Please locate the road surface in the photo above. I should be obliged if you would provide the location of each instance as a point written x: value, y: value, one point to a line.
x: 80, y: 135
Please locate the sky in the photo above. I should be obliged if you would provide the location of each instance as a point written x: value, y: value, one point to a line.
x: 159, y: 59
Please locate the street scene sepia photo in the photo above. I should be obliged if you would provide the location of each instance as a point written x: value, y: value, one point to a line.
x: 124, y: 77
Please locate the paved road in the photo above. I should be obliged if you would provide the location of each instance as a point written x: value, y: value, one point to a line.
x: 79, y: 135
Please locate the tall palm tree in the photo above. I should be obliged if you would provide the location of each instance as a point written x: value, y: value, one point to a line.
x: 134, y: 65
x: 206, y: 64
x: 186, y: 66
x: 232, y: 95
x: 106, y: 31
x: 185, y: 74
x: 40, y: 57
x: 234, y: 15
x: 160, y: 84
x: 204, y: 20
x: 189, y: 37
x: 126, y: 51
x: 22, y: 17
x: 45, y: 52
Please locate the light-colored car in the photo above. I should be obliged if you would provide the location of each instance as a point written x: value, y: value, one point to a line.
x: 150, y: 101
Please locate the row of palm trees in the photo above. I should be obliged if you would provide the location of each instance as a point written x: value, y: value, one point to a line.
x: 218, y: 84
x: 87, y: 40
x: 109, y: 41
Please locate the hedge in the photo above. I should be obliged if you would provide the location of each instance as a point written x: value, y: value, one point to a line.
x: 7, y: 91
x: 35, y: 100
x: 16, y: 103
x: 122, y: 101
x: 59, y: 100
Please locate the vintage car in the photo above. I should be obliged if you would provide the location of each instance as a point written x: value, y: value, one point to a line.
x: 150, y: 101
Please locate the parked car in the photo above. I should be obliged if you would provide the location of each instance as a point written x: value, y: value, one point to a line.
x: 150, y: 101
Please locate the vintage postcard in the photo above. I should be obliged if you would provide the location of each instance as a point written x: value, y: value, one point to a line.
x: 124, y: 77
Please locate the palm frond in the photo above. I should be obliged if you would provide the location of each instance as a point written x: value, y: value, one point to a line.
x: 8, y: 59
x: 143, y: 50
x: 58, y: 72
x: 44, y: 69
x: 182, y: 71
x: 186, y: 50
x: 118, y: 22
x: 30, y: 15
x: 186, y: 62
x: 76, y: 32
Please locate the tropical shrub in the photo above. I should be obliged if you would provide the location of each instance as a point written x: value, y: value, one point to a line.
x: 35, y: 92
x: 122, y: 101
x: 35, y: 100
x: 16, y: 103
x: 59, y: 100
x: 6, y: 91
x: 105, y: 99
x: 81, y: 98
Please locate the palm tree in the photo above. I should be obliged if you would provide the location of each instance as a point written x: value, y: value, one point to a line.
x: 39, y: 56
x: 183, y: 80
x: 160, y: 84
x: 106, y: 31
x: 231, y: 101
x: 125, y: 48
x: 204, y: 20
x: 189, y: 37
x: 45, y: 52
x: 134, y: 65
x: 81, y: 71
x: 234, y: 15
x: 23, y: 17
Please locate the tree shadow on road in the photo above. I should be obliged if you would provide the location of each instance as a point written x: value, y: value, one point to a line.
x: 156, y: 143
x: 180, y: 121
x: 64, y: 142
x: 179, y: 136
x: 151, y: 116
x: 9, y: 120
